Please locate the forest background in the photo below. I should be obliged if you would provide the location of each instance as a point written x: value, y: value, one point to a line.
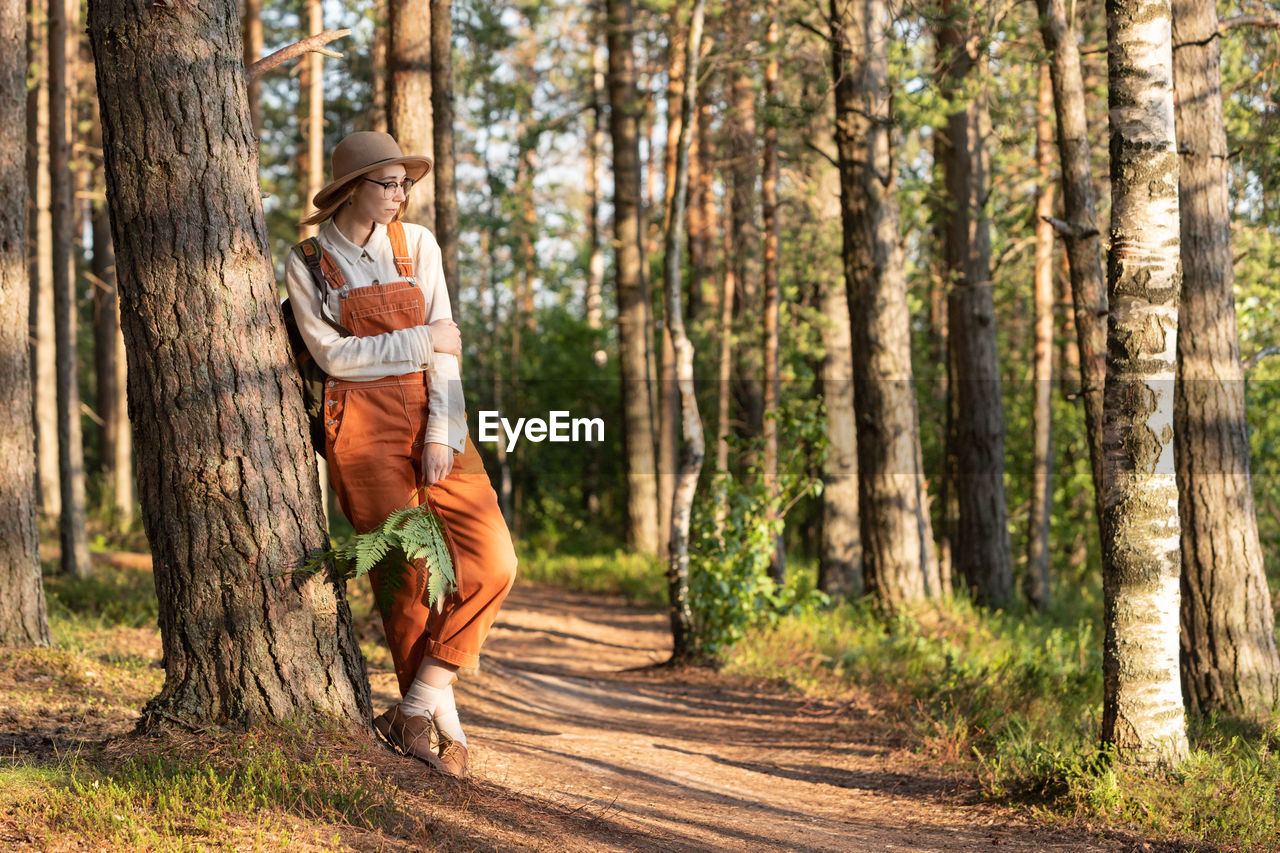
x: 538, y: 299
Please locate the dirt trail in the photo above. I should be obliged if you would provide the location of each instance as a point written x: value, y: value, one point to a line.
x: 683, y: 761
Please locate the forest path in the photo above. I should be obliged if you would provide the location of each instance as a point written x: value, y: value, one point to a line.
x: 672, y: 760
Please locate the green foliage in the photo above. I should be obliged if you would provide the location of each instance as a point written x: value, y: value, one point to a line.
x: 735, y: 532
x: 636, y: 577
x: 407, y: 535
x: 109, y: 597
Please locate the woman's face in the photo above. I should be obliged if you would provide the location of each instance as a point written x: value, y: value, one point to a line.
x: 369, y: 201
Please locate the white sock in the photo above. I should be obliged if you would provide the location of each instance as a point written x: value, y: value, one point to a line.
x: 446, y: 715
x: 421, y: 700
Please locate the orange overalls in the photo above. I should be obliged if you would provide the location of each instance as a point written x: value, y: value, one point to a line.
x: 375, y: 434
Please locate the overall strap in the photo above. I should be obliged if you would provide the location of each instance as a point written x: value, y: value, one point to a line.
x: 400, y: 248
x: 325, y: 274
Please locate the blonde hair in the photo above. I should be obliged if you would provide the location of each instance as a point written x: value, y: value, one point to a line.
x: 344, y: 195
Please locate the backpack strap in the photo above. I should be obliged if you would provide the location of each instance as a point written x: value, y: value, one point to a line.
x: 400, y: 248
x: 324, y: 273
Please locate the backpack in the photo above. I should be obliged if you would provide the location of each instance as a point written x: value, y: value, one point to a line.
x: 323, y: 273
x: 313, y: 377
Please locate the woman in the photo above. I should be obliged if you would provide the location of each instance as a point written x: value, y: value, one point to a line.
x: 394, y: 421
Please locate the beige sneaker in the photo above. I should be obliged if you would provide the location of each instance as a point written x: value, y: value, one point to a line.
x: 453, y: 755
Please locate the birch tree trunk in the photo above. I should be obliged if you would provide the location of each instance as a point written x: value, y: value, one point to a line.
x: 1229, y: 660
x: 690, y: 421
x: 897, y: 540
x: 40, y: 265
x: 625, y: 105
x: 1142, y: 698
x: 23, y: 620
x: 229, y: 494
x: 1083, y: 242
x: 409, y: 113
x: 1037, y: 580
x: 73, y: 534
x: 980, y: 548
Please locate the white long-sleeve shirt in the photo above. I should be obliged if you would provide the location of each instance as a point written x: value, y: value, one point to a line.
x: 393, y: 353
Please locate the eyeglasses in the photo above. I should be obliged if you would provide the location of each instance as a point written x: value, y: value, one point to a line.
x: 389, y: 187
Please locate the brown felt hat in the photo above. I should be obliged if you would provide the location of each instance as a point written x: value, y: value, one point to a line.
x: 361, y: 153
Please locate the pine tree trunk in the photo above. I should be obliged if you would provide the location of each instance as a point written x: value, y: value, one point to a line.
x: 73, y: 535
x: 840, y: 551
x: 253, y: 44
x: 116, y: 445
x: 772, y: 297
x: 690, y: 420
x: 633, y: 329
x: 1083, y: 242
x: 748, y: 389
x: 1037, y: 580
x: 40, y: 267
x: 980, y: 548
x: 595, y: 151
x: 409, y: 113
x: 1229, y: 660
x: 1142, y: 713
x: 897, y: 539
x: 379, y: 52
x: 229, y: 496
x: 311, y: 167
x: 23, y: 621
x: 724, y: 368
x: 446, y: 229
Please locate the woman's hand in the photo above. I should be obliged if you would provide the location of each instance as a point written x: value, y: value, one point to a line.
x: 435, y: 464
x: 445, y: 337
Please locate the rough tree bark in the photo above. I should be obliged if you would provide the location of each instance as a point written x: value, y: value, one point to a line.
x: 409, y: 95
x: 229, y: 494
x: 980, y: 547
x: 1080, y: 230
x: 1142, y: 715
x: 897, y: 539
x: 73, y: 534
x: 625, y: 105
x: 1036, y: 581
x: 116, y: 446
x: 1229, y: 660
x: 690, y: 421
x: 446, y: 203
x: 40, y: 264
x: 23, y: 621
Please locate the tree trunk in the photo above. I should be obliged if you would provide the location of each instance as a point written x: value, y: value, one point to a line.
x: 749, y: 307
x: 633, y: 329
x: 1229, y: 660
x: 442, y: 130
x: 703, y: 295
x: 311, y: 116
x: 724, y: 372
x: 253, y: 44
x: 897, y: 539
x: 379, y: 52
x: 690, y: 420
x: 1083, y: 242
x: 1142, y: 714
x: 116, y: 447
x: 840, y: 551
x: 595, y: 149
x: 1036, y: 582
x: 40, y: 267
x: 409, y: 104
x: 226, y: 474
x: 23, y: 621
x: 73, y: 536
x: 772, y: 298
x: 980, y: 548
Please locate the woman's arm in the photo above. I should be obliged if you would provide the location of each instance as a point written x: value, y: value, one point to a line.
x: 390, y: 354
